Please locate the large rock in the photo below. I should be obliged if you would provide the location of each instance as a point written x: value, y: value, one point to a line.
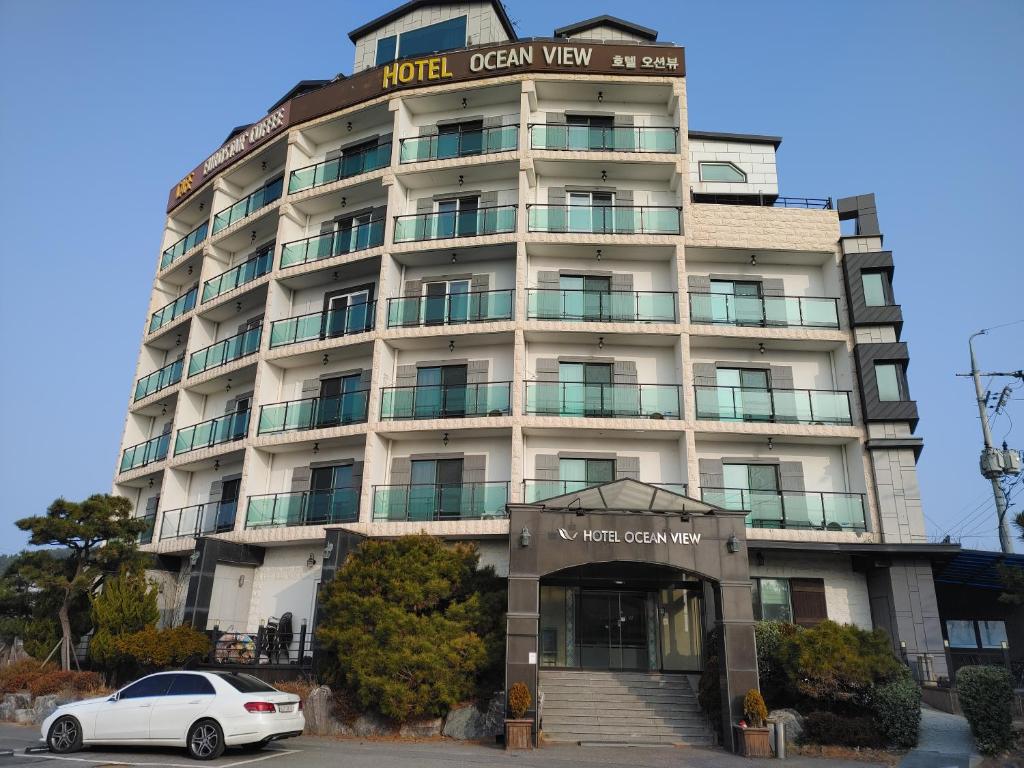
x: 25, y: 716
x: 317, y: 709
x: 791, y: 719
x: 421, y: 729
x: 18, y: 700
x: 494, y: 717
x: 7, y: 711
x: 44, y: 707
x: 372, y: 724
x: 464, y: 724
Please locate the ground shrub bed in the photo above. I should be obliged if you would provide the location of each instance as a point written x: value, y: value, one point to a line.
x: 986, y: 697
x: 42, y: 680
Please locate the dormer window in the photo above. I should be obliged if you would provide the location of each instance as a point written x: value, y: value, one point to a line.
x: 722, y: 172
x: 443, y: 36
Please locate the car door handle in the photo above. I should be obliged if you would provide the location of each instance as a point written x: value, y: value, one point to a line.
x: 144, y: 705
x: 196, y: 701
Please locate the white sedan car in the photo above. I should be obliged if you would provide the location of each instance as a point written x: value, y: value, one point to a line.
x: 201, y: 711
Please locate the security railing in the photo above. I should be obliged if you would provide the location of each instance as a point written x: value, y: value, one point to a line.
x: 174, y: 310
x: 764, y: 311
x: 782, y: 406
x: 763, y: 200
x: 238, y: 275
x: 491, y: 220
x: 355, y: 318
x: 443, y: 146
x: 199, y: 519
x: 440, y: 501
x: 248, y: 205
x: 439, y: 401
x: 601, y: 306
x: 615, y: 401
x: 154, y: 449
x: 225, y: 351
x: 537, y: 490
x: 314, y: 413
x: 345, y: 240
x: 604, y: 219
x: 815, y: 510
x: 329, y: 171
x: 162, y: 378
x: 223, y: 429
x: 450, y: 309
x: 145, y: 536
x: 183, y: 246
x: 583, y: 138
x: 321, y: 507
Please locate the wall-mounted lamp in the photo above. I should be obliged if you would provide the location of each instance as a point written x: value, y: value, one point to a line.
x: 903, y: 645
x: 193, y: 558
x: 252, y: 239
x: 201, y: 206
x: 310, y: 561
x: 753, y: 259
x: 771, y: 446
x: 316, y: 447
x: 760, y: 559
x: 263, y: 165
x: 524, y: 537
x: 604, y: 175
x: 945, y: 643
x: 241, y: 581
x: 238, y: 306
x: 451, y: 345
x: 177, y: 340
x: 190, y: 269
x: 732, y: 544
x: 151, y: 482
x: 600, y: 96
x: 216, y: 464
x: 461, y: 180
x: 455, y: 257
x: 326, y: 358
x: 598, y: 254
x: 344, y: 201
x: 600, y: 342
x: 163, y: 409
x: 228, y: 387
x: 328, y: 550
x: 464, y: 103
x: 334, y: 275
x: 760, y: 348
x: 444, y: 440
x: 348, y: 126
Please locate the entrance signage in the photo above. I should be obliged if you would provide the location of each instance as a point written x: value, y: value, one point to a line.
x: 632, y: 537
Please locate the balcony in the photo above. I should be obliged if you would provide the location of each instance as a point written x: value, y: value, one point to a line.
x: 604, y: 219
x: 491, y: 220
x: 314, y: 413
x: 199, y: 519
x: 450, y: 309
x: 183, y: 246
x: 329, y: 171
x: 779, y: 406
x: 223, y: 429
x: 327, y: 246
x: 174, y: 310
x: 248, y: 205
x: 238, y: 275
x: 326, y: 507
x: 537, y: 490
x: 446, y: 401
x: 225, y: 351
x: 433, y: 502
x: 763, y: 200
x: 165, y: 377
x: 154, y: 449
x: 764, y: 311
x: 317, y: 326
x: 445, y: 146
x: 601, y: 307
x: 583, y: 138
x: 145, y: 536
x: 817, y: 510
x: 605, y: 401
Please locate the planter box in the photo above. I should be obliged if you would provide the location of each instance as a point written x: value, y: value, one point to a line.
x: 753, y: 742
x: 519, y: 734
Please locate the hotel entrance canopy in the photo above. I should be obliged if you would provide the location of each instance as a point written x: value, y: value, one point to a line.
x: 626, y: 495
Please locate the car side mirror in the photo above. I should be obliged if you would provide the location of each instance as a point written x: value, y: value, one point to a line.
x: 113, y: 697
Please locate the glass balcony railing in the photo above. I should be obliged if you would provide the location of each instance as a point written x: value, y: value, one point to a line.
x: 783, y: 406
x: 326, y: 507
x: 248, y: 205
x: 605, y: 219
x: 448, y: 501
x: 238, y: 275
x: 493, y: 220
x: 165, y: 377
x: 583, y: 138
x: 225, y: 351
x: 537, y: 490
x: 154, y: 449
x: 357, y: 318
x: 486, y: 141
x: 223, y: 429
x: 764, y: 311
x: 327, y: 246
x: 817, y: 510
x: 339, y: 168
x: 446, y: 401
x: 199, y: 519
x: 609, y: 401
x: 145, y: 536
x: 183, y: 246
x: 314, y: 413
x: 598, y: 306
x: 450, y: 309
x: 174, y: 310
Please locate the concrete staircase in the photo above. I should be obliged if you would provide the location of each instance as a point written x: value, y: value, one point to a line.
x: 636, y: 708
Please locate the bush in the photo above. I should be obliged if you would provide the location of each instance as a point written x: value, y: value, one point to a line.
x: 754, y: 708
x: 518, y: 700
x: 839, y: 730
x: 19, y: 675
x: 151, y: 649
x: 771, y: 638
x: 896, y: 710
x: 986, y: 697
x: 64, y: 681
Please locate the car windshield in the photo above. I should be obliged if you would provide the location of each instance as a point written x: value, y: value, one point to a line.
x: 246, y: 683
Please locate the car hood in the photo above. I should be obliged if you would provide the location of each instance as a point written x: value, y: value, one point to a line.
x: 84, y: 703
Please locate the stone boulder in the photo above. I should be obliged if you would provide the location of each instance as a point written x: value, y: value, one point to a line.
x: 791, y: 719
x: 18, y: 700
x: 25, y: 716
x: 7, y: 711
x: 44, y: 706
x: 421, y: 729
x: 372, y: 724
x: 317, y: 709
x: 464, y: 723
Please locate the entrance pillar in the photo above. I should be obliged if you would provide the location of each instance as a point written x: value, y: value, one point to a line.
x: 521, y: 630
x: 738, y: 653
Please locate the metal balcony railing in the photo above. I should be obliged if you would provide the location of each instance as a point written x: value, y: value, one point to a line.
x: 605, y: 219
x: 764, y: 311
x: 154, y: 449
x: 338, y: 243
x: 225, y: 351
x: 450, y: 309
x: 223, y: 429
x: 815, y: 510
x: 183, y: 246
x: 583, y: 138
x: 248, y: 205
x: 238, y: 275
x: 356, y: 318
x: 347, y: 166
x: 504, y: 138
x: 174, y: 310
x: 146, y: 536
x: 199, y: 519
x: 782, y: 406
x: 437, y: 501
x: 322, y: 507
x: 314, y: 413
x: 601, y: 306
x: 537, y: 490
x: 446, y: 401
x: 615, y: 401
x: 491, y: 220
x: 159, y: 379
x: 763, y: 200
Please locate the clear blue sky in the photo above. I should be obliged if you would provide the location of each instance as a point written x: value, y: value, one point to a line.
x: 103, y: 106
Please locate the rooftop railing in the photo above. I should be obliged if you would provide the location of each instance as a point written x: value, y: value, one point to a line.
x: 154, y: 449
x: 183, y: 246
x: 159, y: 379
x: 450, y: 309
x: 781, y: 406
x: 764, y: 311
x: 248, y: 205
x: 314, y: 413
x: 504, y: 138
x: 322, y: 507
x: 614, y: 401
x: 439, y: 501
x: 332, y: 324
x: 601, y: 306
x: 344, y: 167
x: 223, y: 429
x: 763, y: 200
x: 440, y: 401
x: 240, y: 274
x: 815, y: 510
x: 583, y: 138
x: 345, y: 240
x: 174, y: 310
x: 605, y: 219
x: 225, y: 351
x: 199, y: 519
x: 491, y: 220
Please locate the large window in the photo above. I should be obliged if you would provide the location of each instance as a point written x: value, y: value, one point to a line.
x: 800, y: 601
x: 887, y: 377
x: 443, y: 36
x: 771, y: 600
x: 721, y: 172
x: 874, y: 289
x: 980, y: 633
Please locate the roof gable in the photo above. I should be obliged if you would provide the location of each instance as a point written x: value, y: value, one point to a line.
x: 412, y: 5
x: 628, y: 495
x: 644, y: 33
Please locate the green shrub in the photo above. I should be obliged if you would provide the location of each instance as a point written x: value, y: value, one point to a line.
x: 152, y: 649
x: 896, y: 709
x: 771, y: 638
x: 518, y: 700
x: 986, y: 697
x: 840, y: 730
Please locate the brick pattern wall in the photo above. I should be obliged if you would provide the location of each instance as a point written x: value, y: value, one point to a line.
x: 762, y: 229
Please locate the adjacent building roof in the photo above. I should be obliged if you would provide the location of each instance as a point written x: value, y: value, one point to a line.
x: 412, y: 5
x: 630, y: 496
x: 977, y: 568
x: 644, y: 33
x: 745, y: 138
x: 301, y: 87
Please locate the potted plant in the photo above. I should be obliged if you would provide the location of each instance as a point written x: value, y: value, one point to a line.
x: 518, y: 730
x: 752, y: 734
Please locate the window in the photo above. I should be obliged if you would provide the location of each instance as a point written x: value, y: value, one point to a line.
x: 992, y: 633
x: 443, y: 36
x: 387, y: 47
x: 771, y: 600
x: 586, y: 389
x: 585, y: 297
x: 721, y: 172
x: 800, y: 601
x: 577, y: 474
x: 887, y: 377
x: 754, y: 488
x: 154, y: 685
x: 440, y: 392
x: 244, y: 683
x: 960, y: 634
x: 189, y: 685
x: 874, y: 289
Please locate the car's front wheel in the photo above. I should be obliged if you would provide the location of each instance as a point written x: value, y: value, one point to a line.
x: 205, y: 740
x: 65, y: 735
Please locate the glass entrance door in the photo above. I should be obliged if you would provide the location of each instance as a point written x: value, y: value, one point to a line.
x: 612, y: 630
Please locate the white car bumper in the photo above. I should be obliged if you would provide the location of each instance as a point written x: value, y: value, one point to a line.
x: 250, y: 728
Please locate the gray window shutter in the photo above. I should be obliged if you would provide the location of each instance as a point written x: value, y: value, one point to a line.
x: 151, y: 504
x: 622, y: 281
x: 327, y: 228
x: 546, y: 467
x: 476, y: 372
x: 495, y: 121
x: 623, y: 301
x: 229, y: 406
x: 401, y: 470
x: 413, y: 289
x: 791, y: 476
x: 380, y: 212
x: 166, y: 429
x: 624, y: 372
x: 547, y: 369
x: 626, y: 218
x: 405, y: 376
x: 357, y: 474
x: 365, y: 377
x: 384, y: 139
x: 425, y: 205
x: 555, y: 118
x: 334, y: 154
x: 782, y: 377
x: 623, y: 120
x: 310, y: 388
x: 698, y: 283
x: 301, y: 477
x: 216, y: 490
x: 473, y: 469
x: 705, y: 374
x: 623, y: 196
x: 556, y: 195
x: 711, y: 475
x: 627, y: 467
x: 479, y: 285
x: 488, y: 199
x: 549, y: 300
x: 772, y: 287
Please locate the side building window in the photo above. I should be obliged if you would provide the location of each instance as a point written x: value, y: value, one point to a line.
x: 721, y: 172
x: 798, y: 601
x: 443, y: 36
x: 888, y: 377
x: 875, y: 289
